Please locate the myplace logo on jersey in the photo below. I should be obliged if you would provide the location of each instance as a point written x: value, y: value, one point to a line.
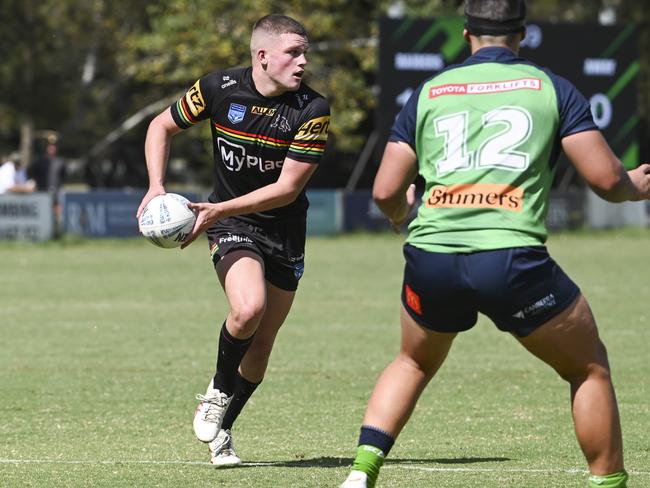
x: 236, y: 113
x: 482, y: 88
x: 234, y: 158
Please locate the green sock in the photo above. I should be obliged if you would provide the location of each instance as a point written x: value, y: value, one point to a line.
x: 369, y: 459
x: 615, y: 480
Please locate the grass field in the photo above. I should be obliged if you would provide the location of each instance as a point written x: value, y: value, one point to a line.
x: 105, y: 343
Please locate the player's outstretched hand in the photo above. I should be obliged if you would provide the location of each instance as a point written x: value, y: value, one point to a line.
x: 641, y: 179
x: 153, y: 192
x: 206, y: 215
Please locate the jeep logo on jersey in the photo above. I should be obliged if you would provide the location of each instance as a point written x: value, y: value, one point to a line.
x: 315, y: 129
x: 236, y: 113
x: 234, y: 158
x: 194, y: 99
x: 268, y: 111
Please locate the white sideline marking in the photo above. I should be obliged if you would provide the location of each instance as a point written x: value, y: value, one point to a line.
x: 276, y: 463
x: 502, y: 470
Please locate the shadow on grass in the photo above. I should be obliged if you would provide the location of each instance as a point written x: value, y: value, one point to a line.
x: 337, y: 462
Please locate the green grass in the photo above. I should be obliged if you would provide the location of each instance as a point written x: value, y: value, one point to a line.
x: 103, y: 345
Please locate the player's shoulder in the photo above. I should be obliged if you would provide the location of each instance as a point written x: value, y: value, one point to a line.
x: 226, y: 79
x: 309, y: 100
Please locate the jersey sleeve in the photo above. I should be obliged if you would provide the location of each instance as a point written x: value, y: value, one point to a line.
x: 308, y: 145
x: 192, y: 107
x: 575, y: 111
x: 403, y: 129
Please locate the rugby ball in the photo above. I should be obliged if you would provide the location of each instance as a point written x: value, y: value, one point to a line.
x: 166, y: 221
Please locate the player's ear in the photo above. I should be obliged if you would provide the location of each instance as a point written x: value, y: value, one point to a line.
x: 466, y: 35
x: 523, y: 35
x: 262, y: 57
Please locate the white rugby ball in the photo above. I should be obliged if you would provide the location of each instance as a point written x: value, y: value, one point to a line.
x: 166, y: 221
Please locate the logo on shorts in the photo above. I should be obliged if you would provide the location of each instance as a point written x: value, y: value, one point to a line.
x: 298, y: 270
x: 235, y: 238
x: 539, y: 306
x: 236, y: 113
x: 413, y: 300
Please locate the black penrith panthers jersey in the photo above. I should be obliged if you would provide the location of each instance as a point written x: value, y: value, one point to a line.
x: 253, y: 134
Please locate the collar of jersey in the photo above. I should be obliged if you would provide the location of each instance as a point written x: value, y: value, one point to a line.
x: 493, y: 53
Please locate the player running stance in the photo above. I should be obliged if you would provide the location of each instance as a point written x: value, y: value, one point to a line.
x: 269, y: 132
x: 485, y: 136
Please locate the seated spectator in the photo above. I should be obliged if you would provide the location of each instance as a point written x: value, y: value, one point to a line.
x: 13, y: 178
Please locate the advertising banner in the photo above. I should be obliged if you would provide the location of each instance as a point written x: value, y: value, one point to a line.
x: 26, y: 216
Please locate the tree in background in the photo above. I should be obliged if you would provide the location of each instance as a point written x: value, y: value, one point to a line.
x: 95, y: 71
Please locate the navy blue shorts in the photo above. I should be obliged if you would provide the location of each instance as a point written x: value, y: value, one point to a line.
x: 281, y: 247
x: 519, y: 289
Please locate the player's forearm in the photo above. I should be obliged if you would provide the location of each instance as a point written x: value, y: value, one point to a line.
x: 268, y: 197
x: 156, y: 152
x: 395, y: 208
x: 619, y: 189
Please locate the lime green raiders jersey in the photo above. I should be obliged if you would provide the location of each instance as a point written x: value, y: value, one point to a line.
x: 487, y: 134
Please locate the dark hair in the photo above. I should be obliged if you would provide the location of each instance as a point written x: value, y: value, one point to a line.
x: 495, y: 17
x: 280, y: 24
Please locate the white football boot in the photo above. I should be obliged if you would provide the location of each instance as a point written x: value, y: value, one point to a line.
x: 209, y: 414
x: 222, y: 450
x: 356, y: 479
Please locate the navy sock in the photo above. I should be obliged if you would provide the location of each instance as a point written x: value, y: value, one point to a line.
x: 231, y: 352
x: 243, y: 391
x: 373, y: 436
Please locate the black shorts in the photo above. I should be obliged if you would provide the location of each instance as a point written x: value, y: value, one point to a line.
x: 519, y: 289
x: 281, y: 247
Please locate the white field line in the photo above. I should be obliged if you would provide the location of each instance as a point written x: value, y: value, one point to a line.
x: 279, y: 463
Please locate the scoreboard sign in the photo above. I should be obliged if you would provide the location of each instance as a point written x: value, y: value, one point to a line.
x: 601, y: 61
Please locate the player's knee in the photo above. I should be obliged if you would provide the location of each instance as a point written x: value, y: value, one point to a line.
x: 595, y: 368
x: 246, y: 314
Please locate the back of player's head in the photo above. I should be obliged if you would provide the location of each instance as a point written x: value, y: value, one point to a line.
x: 495, y: 17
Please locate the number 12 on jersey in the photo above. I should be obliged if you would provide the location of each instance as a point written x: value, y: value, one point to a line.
x: 498, y: 149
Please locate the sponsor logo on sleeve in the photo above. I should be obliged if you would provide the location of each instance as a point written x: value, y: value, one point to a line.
x: 314, y: 129
x: 194, y: 99
x: 482, y: 195
x: 236, y: 113
x: 483, y: 88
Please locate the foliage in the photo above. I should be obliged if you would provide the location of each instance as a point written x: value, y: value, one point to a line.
x: 82, y: 67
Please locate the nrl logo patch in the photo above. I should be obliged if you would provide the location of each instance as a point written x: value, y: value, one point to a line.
x: 236, y: 113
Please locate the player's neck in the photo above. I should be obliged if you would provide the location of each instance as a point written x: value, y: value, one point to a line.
x: 265, y: 85
x: 476, y: 46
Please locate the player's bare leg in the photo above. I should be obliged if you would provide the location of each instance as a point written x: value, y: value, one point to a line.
x: 395, y: 395
x: 570, y: 344
x: 422, y: 352
x: 251, y: 372
x: 254, y: 364
x: 241, y: 274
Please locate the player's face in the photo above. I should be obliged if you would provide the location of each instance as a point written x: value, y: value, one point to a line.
x: 287, y: 61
